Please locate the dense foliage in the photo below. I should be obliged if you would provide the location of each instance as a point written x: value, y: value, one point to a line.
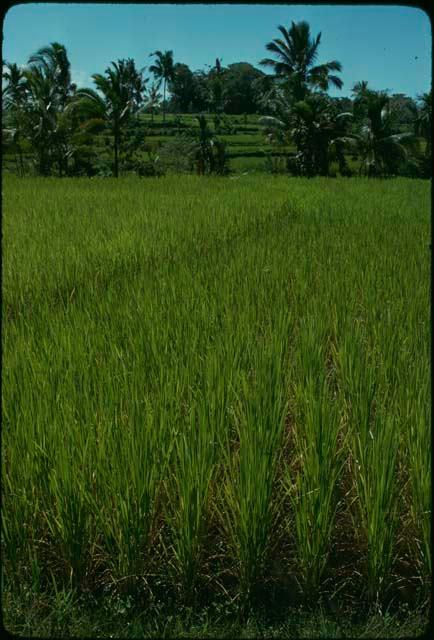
x: 53, y: 128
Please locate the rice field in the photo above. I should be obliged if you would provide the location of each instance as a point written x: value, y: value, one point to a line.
x: 217, y: 386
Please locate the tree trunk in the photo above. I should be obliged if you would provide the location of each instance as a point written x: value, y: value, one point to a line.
x: 19, y: 162
x: 164, y: 101
x: 116, y: 172
x: 44, y: 163
x: 20, y: 156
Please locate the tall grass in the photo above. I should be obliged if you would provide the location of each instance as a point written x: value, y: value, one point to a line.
x: 162, y: 339
x: 318, y: 455
x: 249, y: 507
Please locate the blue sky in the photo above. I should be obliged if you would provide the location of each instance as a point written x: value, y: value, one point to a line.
x: 390, y: 46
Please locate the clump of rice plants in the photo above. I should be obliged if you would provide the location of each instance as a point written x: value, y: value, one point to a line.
x: 190, y: 364
x: 249, y: 505
x: 195, y: 449
x: 318, y: 455
x: 373, y: 445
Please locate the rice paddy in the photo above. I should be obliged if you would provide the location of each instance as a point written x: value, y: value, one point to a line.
x: 217, y: 386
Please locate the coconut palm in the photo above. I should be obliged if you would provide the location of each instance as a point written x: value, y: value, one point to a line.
x: 216, y: 88
x: 381, y: 147
x: 118, y: 98
x: 423, y: 124
x: 295, y: 54
x: 14, y: 101
x: 423, y: 128
x: 153, y: 98
x: 359, y: 89
x: 40, y: 94
x: 53, y: 61
x: 265, y: 89
x: 14, y: 93
x: 50, y: 67
x: 42, y: 117
x: 317, y: 128
x: 163, y: 70
x: 135, y: 79
x: 321, y: 132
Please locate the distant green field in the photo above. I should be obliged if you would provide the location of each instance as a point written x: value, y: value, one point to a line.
x: 191, y: 118
x: 211, y: 386
x: 246, y: 144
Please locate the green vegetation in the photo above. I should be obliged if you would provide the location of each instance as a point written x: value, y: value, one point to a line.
x: 216, y: 394
x: 66, y: 613
x: 54, y: 128
x: 216, y: 398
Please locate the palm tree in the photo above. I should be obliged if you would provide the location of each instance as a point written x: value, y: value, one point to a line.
x: 265, y: 90
x: 423, y: 127
x: 318, y: 129
x: 359, y: 89
x: 14, y: 94
x: 14, y: 101
x: 211, y: 153
x: 153, y: 98
x: 134, y: 77
x: 163, y: 69
x: 295, y: 55
x: 423, y: 124
x: 53, y: 61
x: 382, y: 149
x: 120, y: 93
x: 216, y: 90
x: 42, y: 117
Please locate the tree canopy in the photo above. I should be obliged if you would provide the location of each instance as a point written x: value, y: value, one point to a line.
x: 47, y: 117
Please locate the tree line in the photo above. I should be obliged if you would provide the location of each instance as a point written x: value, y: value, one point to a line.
x: 47, y: 116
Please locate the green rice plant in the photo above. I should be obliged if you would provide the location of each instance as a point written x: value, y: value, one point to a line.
x: 419, y: 447
x: 314, y: 493
x: 154, y: 333
x: 195, y: 449
x: 374, y: 447
x: 126, y: 510
x: 378, y: 492
x: 317, y: 456
x: 69, y: 518
x: 250, y: 509
x: 16, y: 513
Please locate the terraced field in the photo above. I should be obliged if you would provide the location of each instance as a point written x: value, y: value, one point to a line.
x: 246, y: 145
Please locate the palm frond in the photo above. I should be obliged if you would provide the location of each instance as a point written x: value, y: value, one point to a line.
x: 271, y: 121
x: 337, y: 82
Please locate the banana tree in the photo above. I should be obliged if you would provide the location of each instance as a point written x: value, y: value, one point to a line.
x: 211, y: 152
